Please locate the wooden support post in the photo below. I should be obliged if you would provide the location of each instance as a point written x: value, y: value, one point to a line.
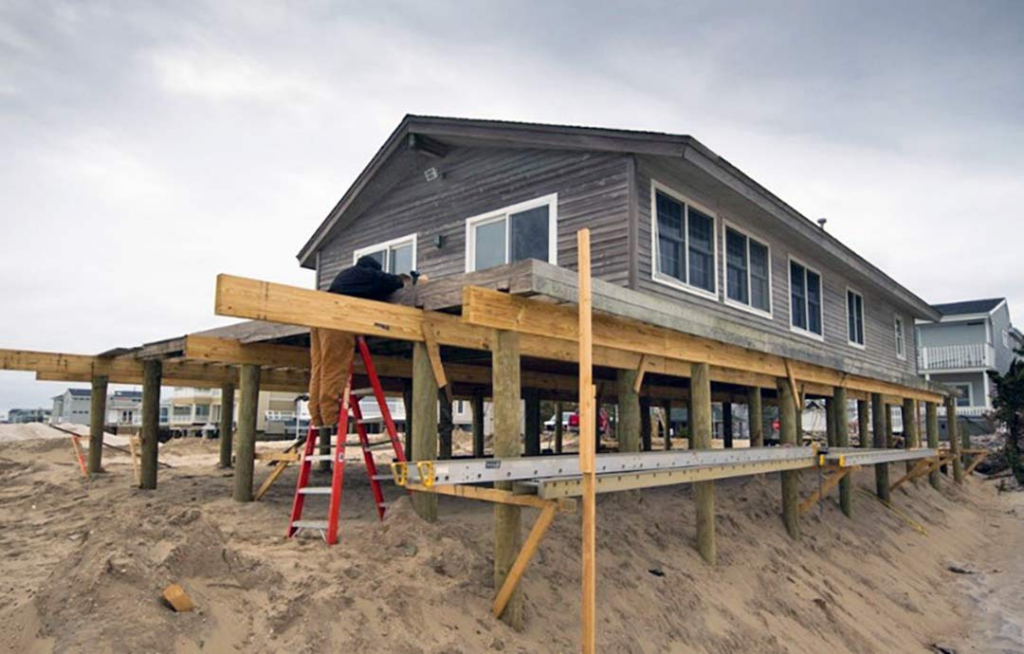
x: 248, y: 407
x: 445, y: 426
x: 227, y: 424
x: 97, y: 420
x: 150, y: 432
x: 842, y: 427
x: 477, y: 408
x: 700, y: 435
x: 559, y: 428
x: 588, y: 448
x: 507, y: 519
x: 532, y: 421
x: 830, y: 421
x: 879, y: 410
x: 910, y: 436
x: 755, y: 415
x: 407, y: 402
x: 666, y: 407
x: 932, y: 426
x: 727, y: 425
x: 788, y: 428
x: 424, y: 424
x: 627, y: 431
x: 864, y: 423
x: 954, y: 440
x: 890, y: 438
x: 645, y: 423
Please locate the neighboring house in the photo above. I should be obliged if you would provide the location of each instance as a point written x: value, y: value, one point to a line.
x: 25, y: 416
x: 73, y: 406
x: 196, y: 412
x: 971, y: 339
x: 124, y: 410
x: 668, y: 218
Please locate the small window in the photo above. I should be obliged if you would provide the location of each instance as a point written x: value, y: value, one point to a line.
x: 397, y: 256
x: 684, y: 243
x: 747, y: 276
x: 1006, y: 338
x: 901, y: 342
x: 855, y: 318
x: 805, y: 299
x: 965, y: 399
x: 523, y: 231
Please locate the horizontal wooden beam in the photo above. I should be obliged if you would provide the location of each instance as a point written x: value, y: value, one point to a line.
x: 223, y: 350
x: 182, y: 382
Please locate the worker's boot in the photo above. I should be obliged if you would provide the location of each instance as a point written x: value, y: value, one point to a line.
x: 325, y: 446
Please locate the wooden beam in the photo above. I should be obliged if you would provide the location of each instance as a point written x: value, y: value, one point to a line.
x: 507, y: 518
x: 97, y: 420
x: 788, y: 429
x: 434, y: 352
x: 755, y: 413
x: 627, y: 428
x: 424, y: 424
x: 588, y: 446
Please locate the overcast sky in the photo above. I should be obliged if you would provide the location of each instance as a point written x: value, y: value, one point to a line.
x: 144, y: 150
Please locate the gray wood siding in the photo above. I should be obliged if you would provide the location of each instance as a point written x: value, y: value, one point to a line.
x: 687, y: 180
x: 593, y: 191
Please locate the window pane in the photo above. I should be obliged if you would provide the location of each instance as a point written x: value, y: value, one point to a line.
x: 529, y: 234
x: 736, y: 266
x: 860, y: 320
x: 760, y: 289
x: 401, y: 259
x: 380, y: 256
x: 490, y: 245
x: 813, y: 302
x: 798, y: 306
x: 851, y: 317
x: 701, y: 236
x: 670, y: 237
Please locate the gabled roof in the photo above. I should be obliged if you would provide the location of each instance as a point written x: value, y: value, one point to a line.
x: 80, y: 392
x: 966, y: 307
x: 431, y: 133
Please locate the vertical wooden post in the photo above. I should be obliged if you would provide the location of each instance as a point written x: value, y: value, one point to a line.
x: 890, y: 439
x: 789, y: 418
x: 559, y: 428
x: 407, y: 401
x: 97, y: 422
x: 954, y: 440
x: 478, y: 424
x: 755, y: 415
x: 932, y: 427
x: 666, y: 406
x: 700, y: 435
x: 878, y: 412
x: 645, y: 423
x: 150, y: 432
x: 248, y: 408
x: 532, y: 421
x: 445, y: 426
x: 628, y: 428
x: 830, y: 421
x: 227, y: 423
x: 910, y: 437
x: 424, y: 424
x: 588, y: 447
x: 864, y: 423
x: 843, y: 440
x: 727, y: 425
x: 507, y: 520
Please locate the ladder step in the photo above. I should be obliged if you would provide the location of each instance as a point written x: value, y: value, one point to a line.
x: 371, y: 421
x: 316, y: 490
x: 320, y: 457
x: 310, y: 524
x: 361, y: 392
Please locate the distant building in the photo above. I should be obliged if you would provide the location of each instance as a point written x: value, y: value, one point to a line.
x: 124, y: 409
x: 71, y: 407
x: 25, y: 416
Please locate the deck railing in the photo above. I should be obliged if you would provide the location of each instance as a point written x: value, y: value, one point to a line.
x: 956, y: 357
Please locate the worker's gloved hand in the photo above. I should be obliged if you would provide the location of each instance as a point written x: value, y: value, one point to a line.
x: 417, y: 277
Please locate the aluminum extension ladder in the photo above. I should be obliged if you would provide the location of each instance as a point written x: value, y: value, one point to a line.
x: 349, y: 407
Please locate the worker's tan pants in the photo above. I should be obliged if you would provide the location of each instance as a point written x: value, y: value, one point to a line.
x: 330, y: 355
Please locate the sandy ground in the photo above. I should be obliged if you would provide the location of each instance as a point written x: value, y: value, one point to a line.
x: 83, y: 564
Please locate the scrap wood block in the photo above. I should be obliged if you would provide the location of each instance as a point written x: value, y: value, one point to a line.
x: 178, y: 599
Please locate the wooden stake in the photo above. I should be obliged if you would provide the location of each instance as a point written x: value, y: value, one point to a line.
x: 932, y: 426
x: 879, y: 410
x: 248, y: 408
x: 842, y: 429
x: 700, y: 437
x: 755, y: 414
x: 424, y: 424
x: 149, y: 434
x: 507, y: 519
x: 788, y: 426
x: 97, y: 418
x: 588, y: 445
x: 227, y: 424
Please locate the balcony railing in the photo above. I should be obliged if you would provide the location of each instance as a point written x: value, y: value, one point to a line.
x: 956, y: 357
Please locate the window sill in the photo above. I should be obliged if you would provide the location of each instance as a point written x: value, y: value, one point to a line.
x: 748, y: 309
x: 672, y: 282
x: 807, y: 334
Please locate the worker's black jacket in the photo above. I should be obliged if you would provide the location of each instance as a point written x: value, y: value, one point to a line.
x: 366, y: 279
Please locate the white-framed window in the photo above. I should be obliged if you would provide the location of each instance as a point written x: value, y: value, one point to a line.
x: 901, y: 338
x: 528, y: 230
x: 397, y: 256
x: 805, y: 300
x: 854, y: 318
x: 683, y: 243
x: 1006, y: 338
x: 966, y: 398
x: 747, y: 265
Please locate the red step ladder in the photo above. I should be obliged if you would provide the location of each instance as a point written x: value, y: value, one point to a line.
x: 349, y: 406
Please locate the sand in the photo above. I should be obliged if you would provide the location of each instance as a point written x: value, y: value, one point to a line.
x: 83, y: 564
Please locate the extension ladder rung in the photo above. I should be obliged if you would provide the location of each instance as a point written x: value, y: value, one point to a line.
x: 362, y: 392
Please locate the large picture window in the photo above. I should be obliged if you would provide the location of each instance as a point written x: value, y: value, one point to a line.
x: 747, y: 271
x: 397, y: 256
x: 855, y: 317
x: 684, y: 243
x: 805, y: 299
x: 523, y: 231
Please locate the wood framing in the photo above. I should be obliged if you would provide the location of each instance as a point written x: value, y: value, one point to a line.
x: 837, y: 475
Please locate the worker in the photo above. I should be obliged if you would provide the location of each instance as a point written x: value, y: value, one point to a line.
x: 331, y: 351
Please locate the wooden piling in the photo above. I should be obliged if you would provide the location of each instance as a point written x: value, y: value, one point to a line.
x: 559, y: 428
x: 227, y: 424
x: 755, y: 416
x: 864, y: 423
x: 150, y: 432
x: 532, y: 421
x: 789, y: 420
x: 954, y: 440
x: 890, y: 438
x: 507, y: 519
x: 645, y: 423
x: 830, y: 421
x: 932, y: 427
x: 424, y: 424
x: 588, y: 448
x: 727, y: 425
x: 842, y: 428
x: 700, y: 435
x: 628, y: 428
x: 879, y: 412
x: 477, y: 407
x: 445, y: 426
x: 245, y: 452
x: 407, y: 402
x: 97, y: 418
x: 910, y: 436
x: 666, y: 407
